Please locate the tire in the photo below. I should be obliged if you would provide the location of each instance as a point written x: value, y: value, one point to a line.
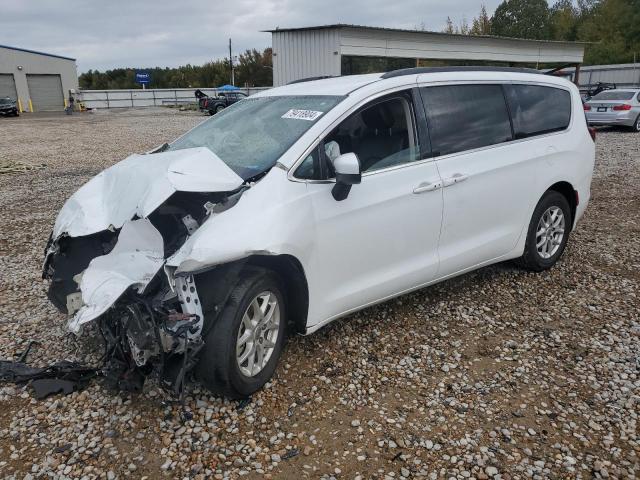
x: 636, y: 126
x: 533, y: 258
x: 218, y: 368
x: 219, y: 108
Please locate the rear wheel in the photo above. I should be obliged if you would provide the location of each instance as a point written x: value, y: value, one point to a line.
x: 219, y: 108
x: 243, y: 346
x: 548, y: 232
x: 636, y: 126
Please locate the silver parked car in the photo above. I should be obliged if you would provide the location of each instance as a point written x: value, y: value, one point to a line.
x: 615, y: 107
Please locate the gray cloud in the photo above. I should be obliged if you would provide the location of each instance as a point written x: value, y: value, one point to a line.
x: 146, y: 33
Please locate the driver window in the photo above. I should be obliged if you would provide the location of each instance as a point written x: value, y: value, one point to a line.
x: 381, y: 134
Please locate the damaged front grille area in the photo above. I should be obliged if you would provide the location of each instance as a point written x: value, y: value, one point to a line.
x: 151, y: 320
x: 144, y: 335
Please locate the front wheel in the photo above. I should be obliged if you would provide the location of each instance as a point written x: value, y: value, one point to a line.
x: 219, y: 108
x: 548, y: 232
x: 243, y: 346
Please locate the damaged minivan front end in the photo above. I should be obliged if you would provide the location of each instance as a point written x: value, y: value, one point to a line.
x: 106, y: 260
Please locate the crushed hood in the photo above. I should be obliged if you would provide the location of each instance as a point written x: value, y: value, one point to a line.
x: 138, y: 185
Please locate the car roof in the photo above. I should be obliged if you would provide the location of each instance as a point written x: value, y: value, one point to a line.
x: 326, y: 86
x: 348, y: 84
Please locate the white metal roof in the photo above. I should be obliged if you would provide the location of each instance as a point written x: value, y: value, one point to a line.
x: 326, y: 86
x: 337, y: 26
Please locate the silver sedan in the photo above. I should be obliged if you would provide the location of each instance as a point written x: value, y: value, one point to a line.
x: 615, y: 107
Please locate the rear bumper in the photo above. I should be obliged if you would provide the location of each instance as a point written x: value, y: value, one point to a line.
x: 623, y: 118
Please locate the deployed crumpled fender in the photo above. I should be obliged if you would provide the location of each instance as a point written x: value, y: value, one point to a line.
x: 134, y: 260
x: 137, y: 185
x: 253, y: 226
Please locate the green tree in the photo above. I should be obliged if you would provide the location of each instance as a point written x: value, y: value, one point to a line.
x: 449, y: 26
x: 522, y: 19
x: 255, y: 69
x: 564, y: 20
x: 481, y: 25
x: 614, y: 26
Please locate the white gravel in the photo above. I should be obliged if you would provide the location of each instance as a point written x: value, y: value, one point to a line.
x: 496, y: 374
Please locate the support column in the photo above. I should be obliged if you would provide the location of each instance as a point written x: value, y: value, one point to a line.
x: 576, y: 75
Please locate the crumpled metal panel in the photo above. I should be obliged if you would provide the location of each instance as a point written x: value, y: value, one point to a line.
x: 138, y: 185
x: 134, y: 261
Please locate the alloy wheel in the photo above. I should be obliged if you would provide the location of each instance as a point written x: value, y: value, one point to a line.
x: 258, y: 333
x: 550, y: 232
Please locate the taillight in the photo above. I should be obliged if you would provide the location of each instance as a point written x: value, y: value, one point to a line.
x: 592, y: 132
x: 586, y: 106
x: 625, y: 106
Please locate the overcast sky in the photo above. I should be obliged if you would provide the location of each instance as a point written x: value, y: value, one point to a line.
x: 103, y: 34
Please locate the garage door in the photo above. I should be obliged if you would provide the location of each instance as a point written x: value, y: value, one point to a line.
x: 45, y: 92
x: 8, y: 86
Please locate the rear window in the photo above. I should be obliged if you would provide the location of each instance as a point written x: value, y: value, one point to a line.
x: 537, y: 110
x: 464, y: 117
x: 614, y: 95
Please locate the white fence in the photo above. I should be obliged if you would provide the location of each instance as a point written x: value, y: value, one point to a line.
x: 147, y: 98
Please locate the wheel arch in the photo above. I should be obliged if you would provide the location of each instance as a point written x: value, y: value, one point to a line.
x: 219, y: 281
x: 570, y: 193
x: 294, y: 282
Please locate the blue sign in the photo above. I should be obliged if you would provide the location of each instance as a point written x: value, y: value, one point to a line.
x: 143, y: 77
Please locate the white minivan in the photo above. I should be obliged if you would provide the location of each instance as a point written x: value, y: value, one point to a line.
x: 306, y: 202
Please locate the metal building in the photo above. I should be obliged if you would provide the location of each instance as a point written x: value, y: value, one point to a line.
x: 333, y: 50
x: 624, y: 75
x: 39, y: 81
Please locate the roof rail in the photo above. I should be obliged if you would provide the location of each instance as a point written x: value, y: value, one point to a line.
x: 310, y: 79
x: 417, y: 70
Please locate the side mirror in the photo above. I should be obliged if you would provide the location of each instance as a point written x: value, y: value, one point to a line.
x: 347, y: 167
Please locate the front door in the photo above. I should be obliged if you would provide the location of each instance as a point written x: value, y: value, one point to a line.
x: 383, y: 238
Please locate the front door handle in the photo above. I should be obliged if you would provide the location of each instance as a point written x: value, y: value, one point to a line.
x: 455, y: 178
x: 427, y: 187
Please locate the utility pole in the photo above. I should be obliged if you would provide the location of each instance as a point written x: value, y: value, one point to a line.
x: 231, y: 64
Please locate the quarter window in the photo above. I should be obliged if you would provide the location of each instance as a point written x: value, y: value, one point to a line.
x: 537, y: 110
x: 464, y: 117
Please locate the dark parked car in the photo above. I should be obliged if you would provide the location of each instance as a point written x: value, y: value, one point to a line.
x: 8, y: 107
x: 598, y: 88
x: 213, y: 105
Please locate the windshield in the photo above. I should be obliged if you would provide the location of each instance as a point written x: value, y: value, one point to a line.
x: 252, y: 134
x: 614, y: 95
x: 4, y: 101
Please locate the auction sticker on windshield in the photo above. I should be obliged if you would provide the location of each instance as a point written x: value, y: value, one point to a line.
x: 309, y: 115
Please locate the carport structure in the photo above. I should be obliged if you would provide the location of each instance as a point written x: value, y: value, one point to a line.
x: 341, y: 49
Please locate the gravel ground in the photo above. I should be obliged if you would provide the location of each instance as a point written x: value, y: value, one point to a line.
x: 496, y: 374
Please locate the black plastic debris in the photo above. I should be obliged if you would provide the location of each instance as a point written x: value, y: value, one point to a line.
x: 62, y: 377
x: 290, y: 453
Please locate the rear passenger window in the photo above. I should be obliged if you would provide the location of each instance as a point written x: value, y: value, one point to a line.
x: 537, y: 110
x: 463, y: 117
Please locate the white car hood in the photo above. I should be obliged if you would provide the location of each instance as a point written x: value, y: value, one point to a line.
x: 138, y: 185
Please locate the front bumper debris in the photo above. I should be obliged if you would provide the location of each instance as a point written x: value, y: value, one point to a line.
x: 106, y: 261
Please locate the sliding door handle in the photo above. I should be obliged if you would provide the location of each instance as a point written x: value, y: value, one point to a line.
x: 427, y: 187
x: 455, y: 178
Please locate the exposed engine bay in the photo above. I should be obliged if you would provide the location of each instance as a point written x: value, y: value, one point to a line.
x: 106, y: 261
